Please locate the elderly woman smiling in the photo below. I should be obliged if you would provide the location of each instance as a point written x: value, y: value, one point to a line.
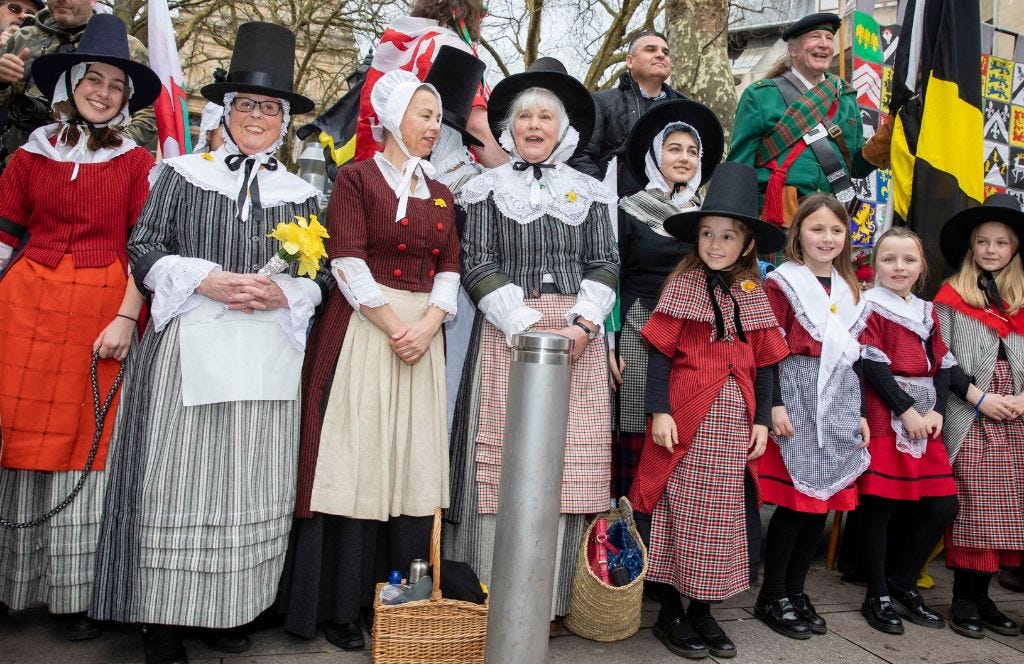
x: 538, y: 253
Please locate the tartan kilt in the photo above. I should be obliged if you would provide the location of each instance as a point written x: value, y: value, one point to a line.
x: 989, y: 474
x: 698, y: 529
x: 587, y: 472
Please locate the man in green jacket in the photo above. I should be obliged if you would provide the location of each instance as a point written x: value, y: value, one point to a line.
x: 57, y: 28
x: 776, y: 137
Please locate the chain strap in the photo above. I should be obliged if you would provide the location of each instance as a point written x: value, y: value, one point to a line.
x: 100, y: 412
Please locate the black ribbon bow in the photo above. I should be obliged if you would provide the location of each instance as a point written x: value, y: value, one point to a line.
x: 234, y: 162
x: 523, y: 165
x: 717, y: 280
x: 987, y: 283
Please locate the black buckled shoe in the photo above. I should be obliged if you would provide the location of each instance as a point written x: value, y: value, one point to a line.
x: 680, y: 639
x: 225, y: 640
x: 712, y: 634
x: 964, y: 619
x: 781, y: 617
x: 163, y: 645
x: 805, y: 611
x: 879, y: 612
x: 80, y: 627
x: 347, y: 636
x: 994, y: 619
x: 910, y: 605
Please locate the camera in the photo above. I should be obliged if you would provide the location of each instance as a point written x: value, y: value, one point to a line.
x: 29, y: 113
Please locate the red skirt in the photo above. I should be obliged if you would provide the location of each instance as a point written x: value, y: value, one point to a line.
x: 777, y: 487
x: 49, y: 319
x: 899, y: 476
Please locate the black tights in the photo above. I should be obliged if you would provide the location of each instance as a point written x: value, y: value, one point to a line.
x: 898, y: 535
x: 970, y: 585
x: 790, y: 544
x: 668, y: 597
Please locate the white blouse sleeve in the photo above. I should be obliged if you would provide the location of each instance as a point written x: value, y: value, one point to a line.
x: 445, y: 293
x: 5, y: 254
x: 504, y: 309
x: 358, y: 285
x: 173, y: 281
x: 303, y: 296
x: 594, y: 302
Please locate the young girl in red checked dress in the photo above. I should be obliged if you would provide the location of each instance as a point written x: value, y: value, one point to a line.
x: 816, y: 452
x: 981, y: 312
x: 907, y: 495
x: 713, y: 341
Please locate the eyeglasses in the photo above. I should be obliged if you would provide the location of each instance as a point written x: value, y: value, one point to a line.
x: 269, y: 107
x: 15, y: 8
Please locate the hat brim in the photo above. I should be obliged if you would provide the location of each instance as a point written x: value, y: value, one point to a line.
x: 699, y: 116
x: 468, y: 139
x: 47, y: 70
x: 955, y: 237
x: 299, y: 104
x: 579, y: 104
x: 769, y: 237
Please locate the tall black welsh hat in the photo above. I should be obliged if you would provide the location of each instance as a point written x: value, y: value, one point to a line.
x: 456, y: 76
x: 821, y: 21
x: 105, y: 39
x: 263, y: 63
x: 550, y: 74
x: 651, y: 123
x: 955, y: 237
x: 732, y: 193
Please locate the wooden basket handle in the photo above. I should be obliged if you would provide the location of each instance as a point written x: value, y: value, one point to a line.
x: 435, y: 554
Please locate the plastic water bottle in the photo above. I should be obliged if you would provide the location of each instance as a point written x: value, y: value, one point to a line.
x: 391, y: 593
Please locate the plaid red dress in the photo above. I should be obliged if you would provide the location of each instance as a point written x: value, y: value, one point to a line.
x: 695, y: 492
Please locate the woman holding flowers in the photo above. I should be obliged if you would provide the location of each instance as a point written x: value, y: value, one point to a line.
x: 374, y: 461
x: 200, y: 497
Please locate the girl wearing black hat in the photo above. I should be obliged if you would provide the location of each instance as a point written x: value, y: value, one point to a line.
x: 981, y: 314
x: 713, y: 341
x: 200, y: 504
x: 672, y: 149
x: 538, y: 253
x: 76, y: 187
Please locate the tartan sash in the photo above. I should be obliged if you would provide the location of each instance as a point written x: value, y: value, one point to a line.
x: 800, y: 117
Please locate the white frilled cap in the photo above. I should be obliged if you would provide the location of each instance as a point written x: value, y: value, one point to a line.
x: 390, y: 97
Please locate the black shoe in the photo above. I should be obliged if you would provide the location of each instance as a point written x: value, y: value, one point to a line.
x: 993, y: 619
x: 225, y: 640
x: 910, y: 605
x: 347, y: 636
x: 964, y: 619
x: 80, y: 627
x: 718, y: 643
x: 163, y: 645
x: 680, y: 639
x: 805, y: 611
x: 878, y: 611
x: 780, y: 615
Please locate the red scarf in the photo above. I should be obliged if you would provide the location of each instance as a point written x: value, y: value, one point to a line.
x: 992, y: 319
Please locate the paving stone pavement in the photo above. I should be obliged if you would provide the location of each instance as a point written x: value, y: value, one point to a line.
x: 32, y: 637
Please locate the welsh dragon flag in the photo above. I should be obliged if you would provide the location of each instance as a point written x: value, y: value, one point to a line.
x: 170, y: 107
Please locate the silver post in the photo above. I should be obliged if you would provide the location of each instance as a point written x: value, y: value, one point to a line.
x: 532, y: 458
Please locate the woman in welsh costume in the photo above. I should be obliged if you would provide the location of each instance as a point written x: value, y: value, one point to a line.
x: 76, y: 187
x: 672, y: 150
x: 374, y: 460
x: 981, y: 314
x: 200, y: 498
x: 538, y: 253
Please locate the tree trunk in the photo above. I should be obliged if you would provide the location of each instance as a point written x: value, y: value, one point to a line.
x: 698, y: 38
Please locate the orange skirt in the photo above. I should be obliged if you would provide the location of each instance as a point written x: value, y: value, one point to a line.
x: 49, y: 320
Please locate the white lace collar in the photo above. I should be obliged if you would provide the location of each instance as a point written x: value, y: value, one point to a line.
x: 911, y: 312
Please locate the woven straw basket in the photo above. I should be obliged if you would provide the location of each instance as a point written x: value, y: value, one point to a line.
x: 604, y: 613
x: 432, y: 631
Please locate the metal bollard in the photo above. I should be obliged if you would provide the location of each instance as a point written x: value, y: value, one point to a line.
x: 526, y: 538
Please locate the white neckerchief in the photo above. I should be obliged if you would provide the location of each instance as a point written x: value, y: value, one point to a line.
x: 390, y: 99
x: 561, y: 192
x: 652, y: 165
x: 393, y: 177
x: 829, y: 317
x: 912, y: 313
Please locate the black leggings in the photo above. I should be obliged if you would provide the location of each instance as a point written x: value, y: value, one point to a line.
x: 790, y: 545
x: 897, y: 537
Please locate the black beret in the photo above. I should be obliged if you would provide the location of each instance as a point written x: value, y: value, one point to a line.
x: 821, y: 21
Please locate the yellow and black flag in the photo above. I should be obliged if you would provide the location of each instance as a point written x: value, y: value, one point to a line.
x: 937, y: 143
x: 335, y: 128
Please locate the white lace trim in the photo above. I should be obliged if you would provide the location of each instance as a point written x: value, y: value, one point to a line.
x: 444, y: 294
x: 173, y: 281
x: 594, y: 301
x: 505, y: 309
x: 922, y: 391
x: 451, y: 158
x: 358, y: 286
x: 303, y: 296
x: 912, y: 313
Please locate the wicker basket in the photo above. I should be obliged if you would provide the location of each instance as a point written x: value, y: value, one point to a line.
x: 432, y: 631
x: 604, y: 613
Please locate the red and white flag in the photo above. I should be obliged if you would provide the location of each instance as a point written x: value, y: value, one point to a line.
x: 171, y: 106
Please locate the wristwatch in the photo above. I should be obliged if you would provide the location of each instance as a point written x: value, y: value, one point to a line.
x: 591, y: 334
